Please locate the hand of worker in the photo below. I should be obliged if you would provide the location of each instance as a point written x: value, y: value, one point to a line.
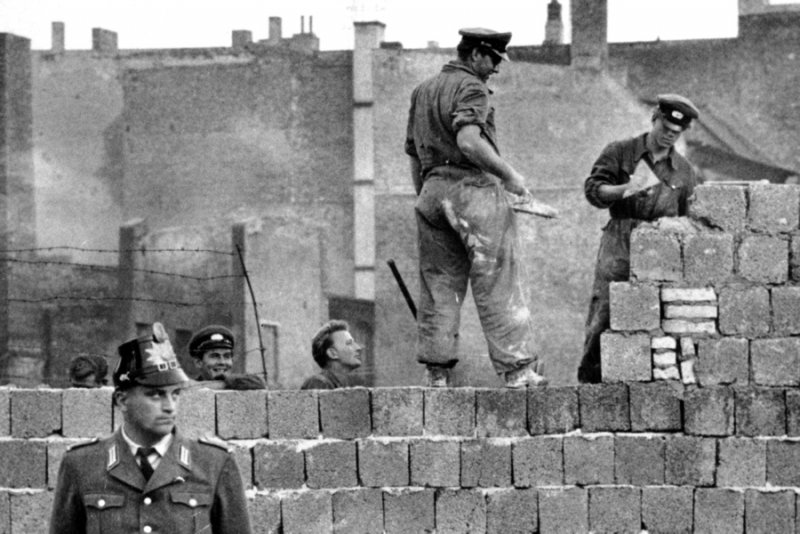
x: 640, y: 183
x: 525, y: 203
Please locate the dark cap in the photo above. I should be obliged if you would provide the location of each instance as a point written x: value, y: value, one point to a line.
x: 148, y: 361
x: 495, y: 42
x: 677, y: 109
x: 210, y: 337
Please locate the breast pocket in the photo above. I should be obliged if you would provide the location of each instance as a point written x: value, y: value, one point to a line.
x: 103, y: 511
x: 195, y: 506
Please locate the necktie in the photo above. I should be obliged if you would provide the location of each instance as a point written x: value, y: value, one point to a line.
x: 144, y: 463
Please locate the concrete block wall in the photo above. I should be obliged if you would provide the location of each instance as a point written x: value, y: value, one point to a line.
x: 612, y: 457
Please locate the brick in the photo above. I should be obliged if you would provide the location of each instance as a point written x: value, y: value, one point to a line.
x: 23, y: 464
x: 615, y: 509
x: 538, y: 461
x: 195, y: 416
x: 687, y: 311
x: 655, y: 256
x: 742, y: 462
x: 785, y: 303
x: 35, y: 413
x: 690, y: 460
x: 331, y: 464
x: 243, y: 455
x: 744, y: 311
x: 265, y: 513
x: 26, y: 511
x: 512, y: 511
x: 718, y: 510
x: 760, y: 412
x: 307, y: 512
x: 293, y: 414
x: 357, y: 511
x: 667, y: 373
x: 383, y: 463
x: 485, y: 463
x: 242, y: 414
x: 5, y: 413
x: 625, y: 358
x: 397, y: 411
x: 773, y: 208
x: 709, y: 411
x: 667, y: 358
x: 688, y: 294
x: 783, y: 463
x: 345, y: 413
x: 552, y: 410
x: 663, y: 342
x: 769, y: 512
x: 588, y: 459
x: 687, y: 371
x: 450, y: 412
x: 501, y: 412
x: 794, y: 257
x: 278, y: 464
x: 563, y: 510
x: 638, y: 460
x: 435, y: 463
x: 684, y: 327
x: 764, y: 259
x: 86, y: 412
x: 720, y: 206
x: 634, y: 306
x: 708, y: 258
x: 776, y: 362
x: 55, y: 453
x: 667, y: 509
x: 793, y: 412
x: 722, y: 361
x: 655, y: 407
x: 459, y: 511
x: 408, y: 511
x: 688, y: 348
x: 604, y: 407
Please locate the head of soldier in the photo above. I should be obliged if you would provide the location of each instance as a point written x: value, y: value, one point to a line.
x: 147, y: 384
x: 483, y: 50
x: 88, y: 371
x: 671, y: 117
x: 212, y: 350
x: 334, y: 348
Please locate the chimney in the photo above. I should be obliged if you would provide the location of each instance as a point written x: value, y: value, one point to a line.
x: 57, y: 41
x: 241, y: 38
x: 753, y: 7
x: 310, y: 24
x: 554, y: 29
x: 302, y: 24
x: 275, y: 31
x: 104, y: 41
x: 589, y: 49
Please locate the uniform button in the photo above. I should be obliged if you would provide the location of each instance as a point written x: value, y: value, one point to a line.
x: 192, y: 502
x: 101, y: 503
x: 148, y: 500
x: 147, y: 529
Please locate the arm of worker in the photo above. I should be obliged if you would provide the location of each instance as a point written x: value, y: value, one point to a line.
x: 416, y: 173
x: 608, y: 181
x: 483, y: 154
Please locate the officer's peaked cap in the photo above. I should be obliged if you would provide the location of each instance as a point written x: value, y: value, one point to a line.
x: 495, y: 42
x: 211, y: 337
x: 677, y: 109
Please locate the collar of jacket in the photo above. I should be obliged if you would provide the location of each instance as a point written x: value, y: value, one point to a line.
x: 172, y: 468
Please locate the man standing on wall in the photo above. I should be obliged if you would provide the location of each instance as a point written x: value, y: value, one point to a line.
x: 638, y: 179
x: 146, y: 477
x: 212, y: 350
x: 466, y: 224
x: 337, y: 354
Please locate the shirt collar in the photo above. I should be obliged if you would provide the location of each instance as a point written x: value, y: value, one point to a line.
x: 161, y: 446
x: 641, y: 150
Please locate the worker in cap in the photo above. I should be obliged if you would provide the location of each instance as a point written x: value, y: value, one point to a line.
x: 211, y: 348
x: 466, y: 227
x: 147, y: 476
x: 639, y: 179
x: 88, y: 371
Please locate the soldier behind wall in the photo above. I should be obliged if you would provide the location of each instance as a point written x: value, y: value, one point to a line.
x: 338, y: 356
x: 211, y: 349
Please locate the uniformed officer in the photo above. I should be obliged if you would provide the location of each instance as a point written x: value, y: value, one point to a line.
x: 147, y: 478
x: 212, y: 350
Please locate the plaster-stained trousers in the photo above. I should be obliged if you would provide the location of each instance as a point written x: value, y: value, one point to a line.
x: 467, y: 235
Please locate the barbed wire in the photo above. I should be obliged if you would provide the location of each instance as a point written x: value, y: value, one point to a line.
x: 115, y: 251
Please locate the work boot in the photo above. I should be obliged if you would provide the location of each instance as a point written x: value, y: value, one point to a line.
x: 524, y: 376
x: 436, y: 376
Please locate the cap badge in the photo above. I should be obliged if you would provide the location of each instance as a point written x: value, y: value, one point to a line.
x: 216, y: 337
x: 677, y: 115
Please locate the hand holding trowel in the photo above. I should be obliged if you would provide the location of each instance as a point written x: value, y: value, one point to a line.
x: 642, y: 180
x: 525, y: 203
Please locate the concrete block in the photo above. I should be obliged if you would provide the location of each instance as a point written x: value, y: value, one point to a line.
x: 769, y: 511
x: 708, y: 258
x: 783, y: 463
x: 243, y: 454
x: 689, y: 295
x: 663, y: 343
x: 55, y: 453
x: 459, y: 511
x: 86, y: 412
x: 435, y: 463
x: 686, y: 327
x: 23, y: 464
x: 345, y: 413
x: 720, y: 206
x: 199, y: 418
x: 785, y: 306
x: 512, y: 511
x: 383, y: 463
x: 604, y: 407
x: 760, y: 412
x: 408, y: 511
x: 293, y: 414
x: 634, y: 306
x: 773, y: 208
x: 563, y: 509
x: 718, y: 510
x: 722, y: 361
x: 35, y: 413
x: 764, y: 259
x: 689, y: 311
x: 397, y: 411
x: 615, y: 509
x: 265, y: 513
x: 776, y: 362
x: 589, y: 459
x: 357, y: 511
x: 501, y: 412
x: 794, y: 257
x: 450, y: 412
x: 708, y: 411
x: 5, y: 413
x: 744, y: 311
x: 792, y: 412
x: 278, y: 464
x: 331, y: 464
x: 667, y: 358
x: 655, y: 256
x: 26, y: 511
x: 552, y: 410
x: 242, y: 414
x: 638, y: 460
x: 625, y: 358
x: 690, y: 460
x: 655, y: 407
x: 307, y: 512
x: 538, y: 461
x: 742, y: 462
x: 485, y: 463
x: 667, y: 509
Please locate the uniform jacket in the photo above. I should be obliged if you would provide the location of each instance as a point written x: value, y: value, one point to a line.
x: 195, y: 488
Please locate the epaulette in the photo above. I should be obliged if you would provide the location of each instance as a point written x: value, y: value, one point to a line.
x: 82, y: 444
x: 214, y: 442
